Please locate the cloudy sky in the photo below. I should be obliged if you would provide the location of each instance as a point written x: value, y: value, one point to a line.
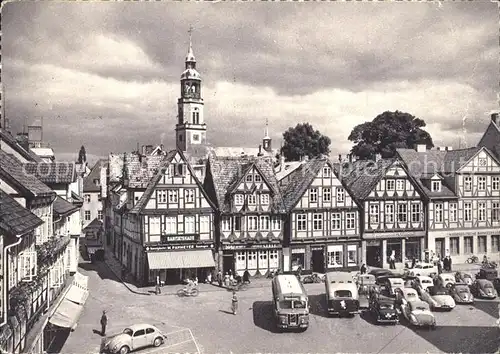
x: 106, y: 75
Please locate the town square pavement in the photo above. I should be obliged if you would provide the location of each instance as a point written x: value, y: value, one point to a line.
x: 204, y: 324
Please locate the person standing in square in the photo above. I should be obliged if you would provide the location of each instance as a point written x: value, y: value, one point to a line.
x: 104, y: 323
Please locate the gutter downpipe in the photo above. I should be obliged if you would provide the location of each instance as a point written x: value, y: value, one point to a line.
x: 5, y: 278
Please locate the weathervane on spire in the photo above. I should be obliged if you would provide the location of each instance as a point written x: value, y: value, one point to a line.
x: 190, y: 31
x: 267, y: 129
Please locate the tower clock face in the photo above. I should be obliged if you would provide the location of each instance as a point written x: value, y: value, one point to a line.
x: 196, y: 137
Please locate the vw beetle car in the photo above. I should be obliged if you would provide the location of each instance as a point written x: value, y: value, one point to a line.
x: 132, y: 338
x: 461, y: 277
x: 445, y: 279
x: 460, y: 292
x: 419, y: 314
x: 483, y: 288
x: 438, y: 298
x: 383, y: 309
x: 421, y: 283
x: 487, y: 273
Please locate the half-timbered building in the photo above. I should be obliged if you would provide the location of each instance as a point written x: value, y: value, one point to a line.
x: 392, y: 210
x: 463, y: 188
x: 249, y: 221
x: 322, y: 230
x: 168, y: 231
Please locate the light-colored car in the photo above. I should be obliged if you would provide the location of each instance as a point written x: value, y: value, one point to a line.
x: 460, y: 292
x: 422, y: 282
x: 423, y: 269
x: 393, y: 284
x: 419, y: 314
x: 444, y: 279
x: 406, y: 295
x: 132, y: 338
x: 438, y: 297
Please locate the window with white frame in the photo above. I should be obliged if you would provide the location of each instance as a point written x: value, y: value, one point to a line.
x: 170, y: 225
x: 340, y: 195
x: 189, y: 195
x: 350, y: 221
x: 253, y: 223
x: 327, y: 172
x: 257, y: 178
x: 173, y: 195
x: 189, y: 225
x: 467, y: 183
x: 327, y: 194
x: 495, y: 183
x: 416, y: 212
x: 87, y: 215
x: 335, y: 256
x: 495, y: 211
x: 86, y: 198
x: 313, y: 195
x: 336, y: 221
x: 154, y: 225
x: 237, y: 223
x: 352, y: 255
x: 436, y: 186
x: 161, y: 196
x: 264, y: 222
x: 481, y: 183
x: 389, y: 213
x: 374, y: 214
x: 390, y: 184
x: 481, y: 211
x: 438, y: 212
x: 225, y: 223
x: 400, y: 184
x: 317, y: 222
x: 204, y: 224
x: 467, y: 211
x: 264, y: 199
x: 301, y: 222
x: 238, y: 199
x: 453, y: 212
x: 252, y: 199
x: 275, y: 223
x: 402, y: 212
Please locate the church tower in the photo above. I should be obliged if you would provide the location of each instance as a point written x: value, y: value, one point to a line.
x: 190, y: 129
x: 266, y: 141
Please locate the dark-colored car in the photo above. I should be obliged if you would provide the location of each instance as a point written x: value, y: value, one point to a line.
x: 496, y: 284
x: 460, y: 292
x: 483, y: 288
x: 487, y: 273
x: 383, y: 309
x: 381, y: 273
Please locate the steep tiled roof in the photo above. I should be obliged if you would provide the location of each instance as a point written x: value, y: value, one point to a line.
x: 52, y: 172
x: 13, y: 169
x: 63, y: 207
x: 95, y: 173
x: 226, y: 171
x: 94, y: 224
x: 491, y: 139
x: 360, y: 177
x: 456, y: 159
x: 15, y: 219
x: 11, y: 141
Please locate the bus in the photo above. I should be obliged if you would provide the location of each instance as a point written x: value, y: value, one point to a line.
x: 290, y: 302
x: 341, y: 294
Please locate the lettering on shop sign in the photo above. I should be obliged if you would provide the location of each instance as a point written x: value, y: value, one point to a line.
x: 317, y: 248
x: 394, y: 234
x: 179, y: 238
x: 180, y: 247
x: 298, y: 250
x: 239, y: 247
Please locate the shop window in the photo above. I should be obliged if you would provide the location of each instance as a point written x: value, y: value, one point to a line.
x: 468, y: 211
x: 352, y: 255
x: 241, y: 261
x: 263, y: 260
x: 481, y: 211
x: 336, y: 221
x: 298, y: 259
x: 252, y: 259
x: 481, y: 244
x: 335, y: 256
x: 389, y: 213
x: 454, y: 246
x: 495, y: 243
x: 313, y: 195
x: 468, y: 245
x: 453, y: 212
x: 412, y: 249
x: 327, y: 194
x: 301, y: 222
x: 394, y: 246
x: 274, y: 261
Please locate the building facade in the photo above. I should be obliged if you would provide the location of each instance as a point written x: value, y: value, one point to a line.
x: 92, y: 198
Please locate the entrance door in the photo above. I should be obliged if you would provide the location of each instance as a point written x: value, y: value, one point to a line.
x: 228, y: 263
x: 439, y: 247
x: 318, y: 260
x: 374, y: 255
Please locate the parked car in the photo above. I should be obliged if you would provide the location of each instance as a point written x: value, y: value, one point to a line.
x: 418, y: 313
x: 365, y: 281
x: 393, y: 284
x: 381, y: 273
x: 445, y: 279
x: 383, y: 309
x: 426, y: 269
x: 483, y: 288
x: 406, y: 295
x: 421, y: 283
x: 460, y: 292
x: 438, y: 297
x: 132, y: 338
x: 487, y: 273
x: 461, y: 277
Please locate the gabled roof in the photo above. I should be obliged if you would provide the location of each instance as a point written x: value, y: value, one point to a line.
x: 227, y: 171
x: 14, y: 218
x: 95, y: 173
x: 94, y: 224
x: 11, y: 141
x: 76, y: 198
x: 63, y: 208
x: 491, y: 139
x: 12, y: 169
x: 52, y: 172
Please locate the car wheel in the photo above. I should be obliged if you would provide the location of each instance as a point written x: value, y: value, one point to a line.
x: 158, y: 341
x: 124, y: 350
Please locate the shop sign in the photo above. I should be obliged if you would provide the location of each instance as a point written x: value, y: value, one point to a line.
x: 179, y: 238
x: 463, y: 233
x: 373, y: 243
x: 298, y: 250
x: 177, y: 247
x: 317, y: 248
x: 251, y: 246
x: 400, y: 234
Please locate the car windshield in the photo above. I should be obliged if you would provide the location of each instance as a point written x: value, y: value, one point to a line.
x: 426, y: 281
x: 299, y: 305
x: 487, y: 285
x: 128, y: 331
x: 388, y: 306
x: 342, y: 293
x: 421, y: 307
x: 411, y: 295
x: 439, y: 292
x: 462, y: 289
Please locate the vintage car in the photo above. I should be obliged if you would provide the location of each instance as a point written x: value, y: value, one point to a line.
x: 487, y: 273
x: 419, y: 314
x: 406, y: 295
x: 444, y: 279
x: 393, y: 284
x: 132, y: 338
x: 426, y: 269
x: 460, y: 292
x: 383, y: 309
x: 421, y: 283
x: 341, y: 292
x: 461, y: 277
x: 438, y: 297
x: 365, y: 281
x: 381, y: 273
x: 483, y: 288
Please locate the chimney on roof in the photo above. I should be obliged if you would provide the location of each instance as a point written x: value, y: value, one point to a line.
x: 495, y: 118
x: 421, y: 148
x: 260, y: 151
x: 378, y: 157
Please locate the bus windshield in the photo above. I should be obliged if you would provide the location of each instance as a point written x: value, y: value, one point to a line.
x: 292, y: 304
x: 342, y: 293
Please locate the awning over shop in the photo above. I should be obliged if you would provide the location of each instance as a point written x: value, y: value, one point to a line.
x: 67, y: 314
x: 181, y: 259
x: 81, y: 281
x: 77, y: 294
x: 93, y: 249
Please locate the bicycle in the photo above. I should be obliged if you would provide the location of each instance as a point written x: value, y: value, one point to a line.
x: 188, y: 292
x: 313, y: 278
x: 472, y: 259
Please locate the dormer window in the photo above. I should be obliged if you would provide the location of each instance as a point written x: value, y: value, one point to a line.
x: 249, y: 178
x: 390, y: 184
x: 257, y: 178
x: 179, y: 169
x: 96, y: 182
x: 238, y: 199
x: 436, y: 186
x: 327, y: 172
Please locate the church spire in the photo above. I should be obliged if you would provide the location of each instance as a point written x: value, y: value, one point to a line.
x: 266, y: 141
x: 190, y: 59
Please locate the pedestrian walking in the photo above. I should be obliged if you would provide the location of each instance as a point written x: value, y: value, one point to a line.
x: 234, y: 303
x: 449, y: 263
x: 104, y: 323
x: 392, y: 260
x: 157, y: 286
x: 440, y: 265
x: 362, y: 270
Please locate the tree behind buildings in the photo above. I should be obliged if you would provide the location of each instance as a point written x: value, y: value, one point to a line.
x: 302, y: 140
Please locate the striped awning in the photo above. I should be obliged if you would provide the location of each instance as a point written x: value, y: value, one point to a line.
x: 181, y: 259
x: 67, y: 314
